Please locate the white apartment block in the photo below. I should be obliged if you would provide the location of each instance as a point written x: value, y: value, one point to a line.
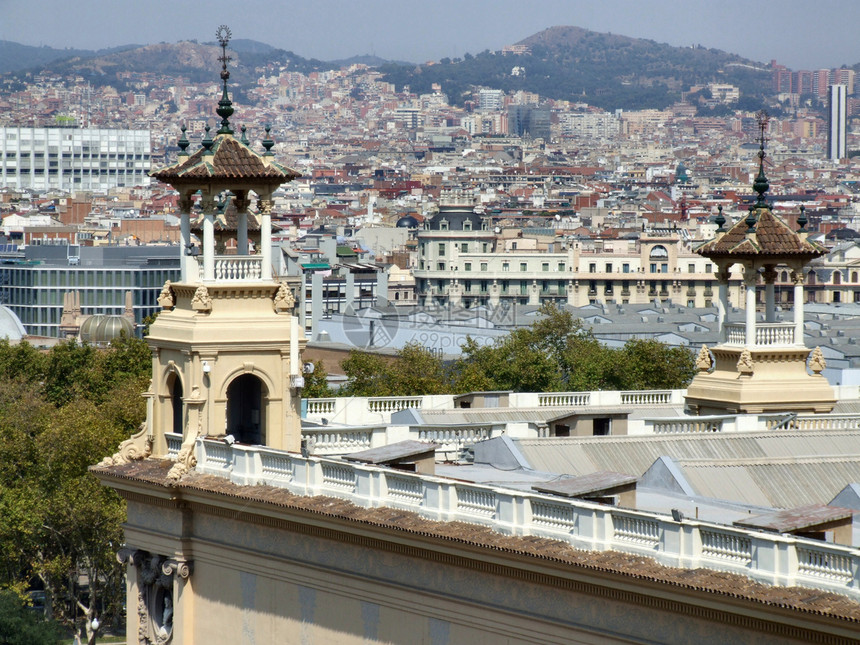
x: 590, y: 125
x: 73, y: 159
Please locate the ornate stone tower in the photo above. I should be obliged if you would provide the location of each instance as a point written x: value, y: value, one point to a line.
x: 226, y: 347
x: 760, y: 366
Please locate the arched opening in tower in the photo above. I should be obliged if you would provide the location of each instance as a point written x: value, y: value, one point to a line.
x: 174, y: 385
x: 245, y: 414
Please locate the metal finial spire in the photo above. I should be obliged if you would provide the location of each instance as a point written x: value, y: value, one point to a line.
x: 720, y: 220
x: 801, y: 220
x: 244, y: 138
x: 268, y: 143
x: 225, y: 106
x: 183, y: 143
x: 761, y: 185
x: 207, y: 141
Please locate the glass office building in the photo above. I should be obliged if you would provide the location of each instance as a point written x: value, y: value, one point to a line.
x: 33, y: 282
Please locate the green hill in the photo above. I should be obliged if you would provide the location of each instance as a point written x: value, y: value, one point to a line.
x: 605, y: 70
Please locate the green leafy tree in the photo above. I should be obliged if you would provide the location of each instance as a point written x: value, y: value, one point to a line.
x: 367, y: 374
x: 21, y: 625
x: 316, y: 383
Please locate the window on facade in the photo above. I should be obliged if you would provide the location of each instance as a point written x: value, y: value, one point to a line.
x: 506, y: 266
x: 625, y: 268
x: 483, y: 266
x: 561, y: 267
x: 467, y: 225
x: 664, y: 268
x: 443, y: 225
x: 468, y: 266
x: 441, y: 248
x: 653, y: 267
x: 464, y: 248
x: 592, y: 268
x: 691, y: 268
x: 513, y: 246
x: 484, y: 247
x: 608, y: 267
x: 440, y: 266
x: 545, y: 266
x: 524, y: 266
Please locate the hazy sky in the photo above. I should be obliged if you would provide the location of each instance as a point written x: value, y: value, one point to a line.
x: 799, y: 33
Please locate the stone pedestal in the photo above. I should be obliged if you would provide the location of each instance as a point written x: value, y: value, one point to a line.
x: 759, y: 380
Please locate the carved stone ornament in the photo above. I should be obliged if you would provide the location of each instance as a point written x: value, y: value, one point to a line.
x: 202, y: 301
x: 745, y: 363
x: 284, y: 299
x: 136, y: 447
x: 703, y: 360
x: 816, y: 361
x: 167, y: 299
x: 185, y: 461
x: 156, y: 576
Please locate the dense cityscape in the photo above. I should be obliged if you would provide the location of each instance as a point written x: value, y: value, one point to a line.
x: 403, y: 351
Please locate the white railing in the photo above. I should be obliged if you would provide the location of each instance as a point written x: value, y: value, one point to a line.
x: 236, y: 268
x: 687, y: 425
x: 320, y: 406
x: 826, y: 564
x: 333, y: 441
x: 636, y: 529
x: 767, y: 557
x: 646, y: 397
x: 563, y: 399
x: 826, y: 422
x: 174, y: 444
x: 455, y: 438
x: 729, y: 546
x: 393, y: 403
x: 766, y: 334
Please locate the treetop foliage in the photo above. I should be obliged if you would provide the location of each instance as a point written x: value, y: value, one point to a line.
x: 555, y: 354
x: 60, y: 412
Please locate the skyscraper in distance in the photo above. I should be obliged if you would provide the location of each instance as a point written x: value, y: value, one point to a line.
x: 836, y: 111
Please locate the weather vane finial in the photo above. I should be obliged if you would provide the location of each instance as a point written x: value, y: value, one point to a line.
x: 225, y: 107
x: 761, y: 185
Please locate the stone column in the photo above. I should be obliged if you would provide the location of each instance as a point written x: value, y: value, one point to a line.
x: 797, y: 278
x: 186, y: 263
x: 722, y: 301
x: 750, y: 283
x: 769, y: 276
x: 265, y: 206
x: 241, y: 203
x: 208, y: 203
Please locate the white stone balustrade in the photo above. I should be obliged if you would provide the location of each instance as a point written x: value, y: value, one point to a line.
x: 393, y: 403
x: 236, y: 268
x: 767, y: 557
x: 361, y: 411
x: 766, y: 334
x: 647, y: 397
x: 563, y: 399
x: 687, y: 425
x: 174, y: 444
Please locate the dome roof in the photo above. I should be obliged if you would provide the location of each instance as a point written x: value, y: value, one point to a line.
x: 10, y: 325
x: 103, y: 329
x: 407, y: 221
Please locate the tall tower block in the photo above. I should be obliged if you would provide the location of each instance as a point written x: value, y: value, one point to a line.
x: 837, y: 119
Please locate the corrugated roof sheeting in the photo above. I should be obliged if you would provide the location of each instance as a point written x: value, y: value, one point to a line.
x: 634, y: 455
x: 783, y: 484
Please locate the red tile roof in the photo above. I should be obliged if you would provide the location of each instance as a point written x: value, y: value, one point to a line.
x: 772, y: 237
x: 229, y: 159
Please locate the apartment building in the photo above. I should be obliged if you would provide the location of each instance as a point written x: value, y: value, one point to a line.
x: 73, y: 159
